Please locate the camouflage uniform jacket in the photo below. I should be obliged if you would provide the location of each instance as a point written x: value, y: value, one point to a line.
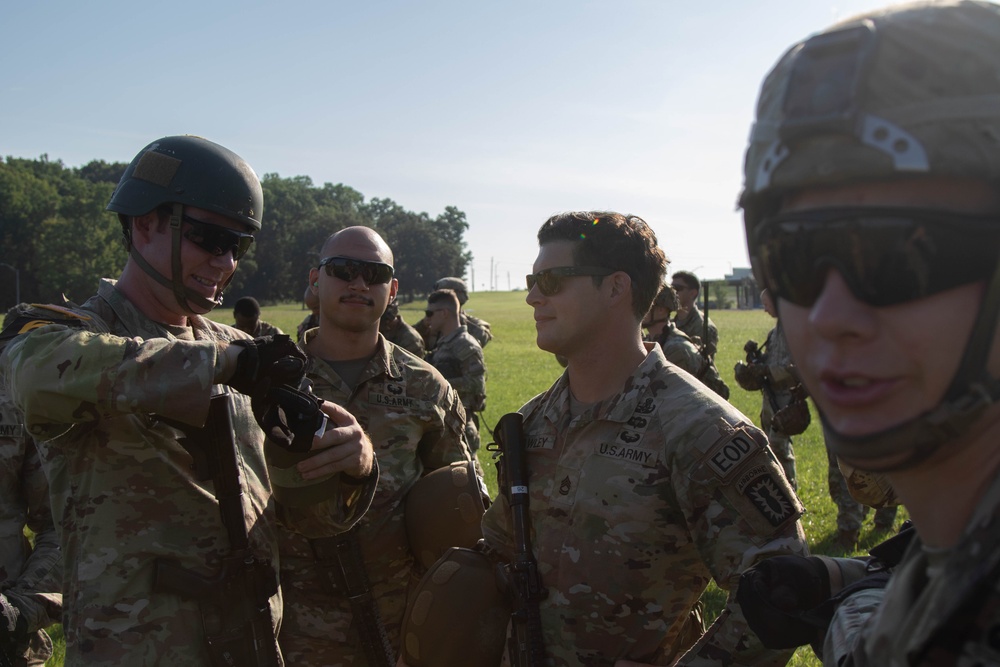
x: 122, y: 486
x: 459, y: 358
x: 681, y: 351
x: 405, y: 336
x: 693, y: 324
x: 778, y: 359
x: 415, y: 422
x: 478, y: 329
x: 678, y: 348
x: 940, y: 608
x: 29, y: 577
x: 635, y: 505
x: 263, y: 329
x: 311, y: 320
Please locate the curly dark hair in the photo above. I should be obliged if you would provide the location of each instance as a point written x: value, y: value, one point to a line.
x: 615, y: 241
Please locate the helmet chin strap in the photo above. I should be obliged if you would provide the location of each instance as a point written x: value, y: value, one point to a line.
x: 181, y: 293
x: 972, y: 390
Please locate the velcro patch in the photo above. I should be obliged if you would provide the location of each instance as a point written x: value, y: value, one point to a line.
x: 390, y: 400
x: 768, y: 495
x: 640, y: 455
x: 539, y: 442
x: 730, y: 452
x: 11, y: 430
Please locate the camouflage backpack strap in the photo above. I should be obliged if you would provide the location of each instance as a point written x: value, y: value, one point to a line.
x: 28, y: 317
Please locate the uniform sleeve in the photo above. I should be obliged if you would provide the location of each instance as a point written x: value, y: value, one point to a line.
x: 445, y: 445
x: 37, y: 589
x: 471, y: 383
x: 59, y: 376
x: 740, y: 509
x: 845, y: 636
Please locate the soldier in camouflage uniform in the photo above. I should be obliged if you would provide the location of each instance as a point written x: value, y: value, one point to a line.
x: 644, y: 485
x: 30, y: 585
x: 416, y: 422
x: 458, y: 357
x: 689, y: 318
x: 477, y: 328
x: 773, y: 373
x: 95, y: 385
x: 677, y: 347
x: 311, y: 301
x: 397, y: 331
x: 872, y: 209
x: 246, y: 316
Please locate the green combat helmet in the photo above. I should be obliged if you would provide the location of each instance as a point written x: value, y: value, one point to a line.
x: 184, y: 171
x: 457, y: 285
x: 911, y: 90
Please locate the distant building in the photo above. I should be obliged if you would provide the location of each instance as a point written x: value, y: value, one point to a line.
x: 747, y: 292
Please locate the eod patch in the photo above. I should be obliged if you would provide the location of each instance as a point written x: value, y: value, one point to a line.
x: 752, y: 480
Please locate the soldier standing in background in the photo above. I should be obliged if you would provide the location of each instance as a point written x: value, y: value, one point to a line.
x: 773, y: 374
x: 458, y: 357
x: 644, y: 484
x: 111, y: 390
x: 872, y: 209
x: 311, y: 301
x: 397, y: 331
x: 689, y: 318
x: 416, y: 423
x: 246, y: 316
x: 30, y: 583
x: 677, y: 347
x: 477, y: 328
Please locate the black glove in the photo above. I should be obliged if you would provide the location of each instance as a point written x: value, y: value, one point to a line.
x: 267, y: 361
x: 776, y: 594
x: 289, y: 417
x: 13, y: 624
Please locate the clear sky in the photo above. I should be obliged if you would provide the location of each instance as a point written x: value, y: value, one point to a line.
x: 511, y: 111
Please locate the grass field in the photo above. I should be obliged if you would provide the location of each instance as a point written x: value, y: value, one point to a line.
x: 517, y: 371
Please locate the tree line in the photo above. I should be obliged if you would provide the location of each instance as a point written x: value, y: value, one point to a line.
x: 56, y: 238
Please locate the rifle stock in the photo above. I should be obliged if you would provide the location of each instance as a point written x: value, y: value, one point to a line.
x: 526, y: 647
x: 235, y: 602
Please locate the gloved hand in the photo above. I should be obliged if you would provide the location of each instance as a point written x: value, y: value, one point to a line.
x: 266, y: 361
x: 750, y: 376
x: 13, y: 624
x: 783, y: 597
x: 289, y: 417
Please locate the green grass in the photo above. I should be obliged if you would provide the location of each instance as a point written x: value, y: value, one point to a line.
x: 517, y: 371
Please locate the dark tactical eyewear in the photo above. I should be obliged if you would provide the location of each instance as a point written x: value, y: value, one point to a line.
x: 550, y: 281
x: 347, y: 269
x: 887, y: 256
x: 216, y: 240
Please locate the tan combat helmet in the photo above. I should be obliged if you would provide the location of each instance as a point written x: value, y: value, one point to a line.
x: 910, y: 90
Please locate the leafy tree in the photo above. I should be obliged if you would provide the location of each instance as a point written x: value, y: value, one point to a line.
x: 55, y: 231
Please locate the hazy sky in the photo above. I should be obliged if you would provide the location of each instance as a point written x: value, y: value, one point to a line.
x: 510, y: 111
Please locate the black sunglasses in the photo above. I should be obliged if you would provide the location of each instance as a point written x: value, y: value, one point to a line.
x: 347, y: 269
x: 887, y: 256
x: 216, y: 240
x: 550, y: 281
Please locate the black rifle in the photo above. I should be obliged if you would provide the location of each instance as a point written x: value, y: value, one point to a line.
x: 342, y: 565
x: 235, y: 602
x: 526, y: 646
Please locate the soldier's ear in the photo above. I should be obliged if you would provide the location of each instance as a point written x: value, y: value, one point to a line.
x: 621, y: 284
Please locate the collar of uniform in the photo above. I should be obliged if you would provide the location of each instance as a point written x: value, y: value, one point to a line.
x: 617, y: 408
x: 137, y: 324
